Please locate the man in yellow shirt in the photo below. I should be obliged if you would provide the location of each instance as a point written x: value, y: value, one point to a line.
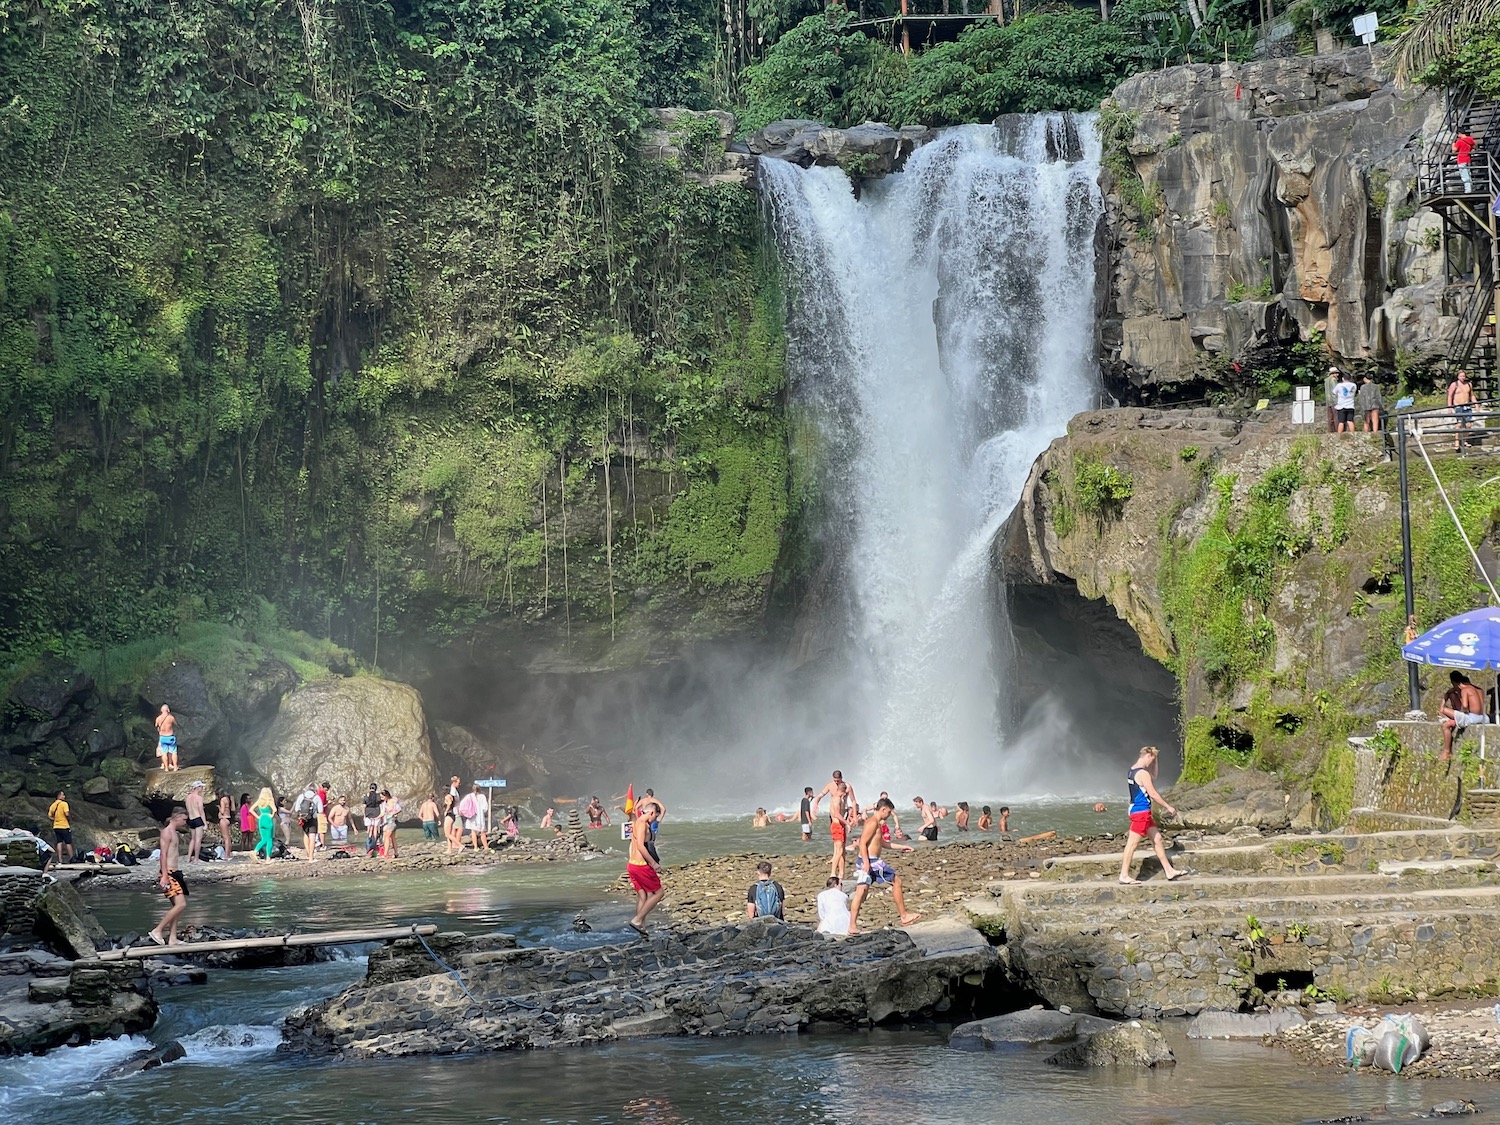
x: 61, y: 829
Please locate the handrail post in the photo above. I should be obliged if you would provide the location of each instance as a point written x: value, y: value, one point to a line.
x: 1413, y: 686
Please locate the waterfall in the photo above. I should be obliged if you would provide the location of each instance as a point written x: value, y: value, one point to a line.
x: 940, y: 334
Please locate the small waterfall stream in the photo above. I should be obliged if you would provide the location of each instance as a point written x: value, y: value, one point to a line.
x: 940, y: 335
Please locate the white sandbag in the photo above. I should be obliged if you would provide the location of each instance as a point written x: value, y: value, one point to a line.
x: 1394, y: 1048
x: 1415, y: 1029
x: 1359, y: 1046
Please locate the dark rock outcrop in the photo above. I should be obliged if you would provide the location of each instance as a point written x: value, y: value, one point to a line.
x: 1036, y: 1025
x: 1275, y: 199
x: 694, y: 983
x: 64, y: 922
x: 95, y: 1001
x: 1136, y: 1043
x: 871, y: 149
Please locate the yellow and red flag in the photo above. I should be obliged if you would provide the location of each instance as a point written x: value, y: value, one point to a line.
x: 630, y: 799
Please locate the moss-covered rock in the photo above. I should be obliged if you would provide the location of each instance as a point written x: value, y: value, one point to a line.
x: 1263, y: 568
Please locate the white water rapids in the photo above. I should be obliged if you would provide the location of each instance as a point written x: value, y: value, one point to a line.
x: 940, y: 336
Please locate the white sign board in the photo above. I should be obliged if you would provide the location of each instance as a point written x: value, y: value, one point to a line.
x: 1365, y: 25
x: 1302, y: 412
x: 1301, y: 394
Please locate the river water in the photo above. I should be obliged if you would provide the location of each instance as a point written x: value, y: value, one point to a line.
x: 233, y: 1071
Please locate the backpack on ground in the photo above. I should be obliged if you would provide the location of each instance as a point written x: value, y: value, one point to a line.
x: 767, y: 899
x: 124, y: 856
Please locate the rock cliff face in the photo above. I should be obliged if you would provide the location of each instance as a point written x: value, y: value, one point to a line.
x: 1255, y: 564
x: 1255, y: 203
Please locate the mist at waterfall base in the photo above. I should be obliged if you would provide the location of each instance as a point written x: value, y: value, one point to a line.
x: 940, y: 335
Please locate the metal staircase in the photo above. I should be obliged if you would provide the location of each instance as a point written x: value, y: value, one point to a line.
x: 1469, y: 230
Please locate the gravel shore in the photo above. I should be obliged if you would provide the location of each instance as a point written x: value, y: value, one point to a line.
x: 1465, y: 1039
x: 935, y: 878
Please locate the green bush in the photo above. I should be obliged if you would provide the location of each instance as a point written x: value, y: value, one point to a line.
x: 1101, y: 489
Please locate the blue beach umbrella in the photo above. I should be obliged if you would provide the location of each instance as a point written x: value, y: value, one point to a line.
x: 1470, y: 641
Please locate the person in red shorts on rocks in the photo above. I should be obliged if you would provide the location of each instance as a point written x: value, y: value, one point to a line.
x: 1140, y: 783
x: 644, y: 871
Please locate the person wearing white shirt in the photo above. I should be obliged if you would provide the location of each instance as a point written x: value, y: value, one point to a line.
x: 1343, y: 403
x: 833, y: 908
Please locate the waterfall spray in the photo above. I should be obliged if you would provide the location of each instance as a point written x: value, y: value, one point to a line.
x: 940, y: 335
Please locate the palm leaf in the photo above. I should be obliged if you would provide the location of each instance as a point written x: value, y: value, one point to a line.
x: 1438, y: 30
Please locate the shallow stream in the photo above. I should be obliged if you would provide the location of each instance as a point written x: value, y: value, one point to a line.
x: 234, y: 1073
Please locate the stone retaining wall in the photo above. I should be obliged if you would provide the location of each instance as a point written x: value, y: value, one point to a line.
x: 1185, y: 970
x: 18, y: 891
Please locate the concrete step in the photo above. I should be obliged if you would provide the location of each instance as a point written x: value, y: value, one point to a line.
x: 1395, y: 877
x: 1311, y: 855
x: 1313, y: 911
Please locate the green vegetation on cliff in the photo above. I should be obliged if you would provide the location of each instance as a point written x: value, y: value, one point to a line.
x: 371, y: 310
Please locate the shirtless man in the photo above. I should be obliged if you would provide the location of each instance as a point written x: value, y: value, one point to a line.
x: 1463, y: 706
x: 338, y: 823
x: 874, y: 871
x: 929, y: 830
x: 166, y: 738
x: 1461, y: 402
x: 171, y: 881
x: 195, y: 822
x: 961, y: 820
x: 761, y: 819
x: 843, y: 809
x: 642, y: 867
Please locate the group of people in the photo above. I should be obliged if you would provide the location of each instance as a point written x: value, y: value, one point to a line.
x: 1348, y: 403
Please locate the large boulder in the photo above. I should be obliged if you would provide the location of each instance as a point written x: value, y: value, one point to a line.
x: 253, y: 700
x: 1137, y: 1043
x: 201, y: 727
x: 348, y: 732
x: 1036, y: 1025
x: 47, y: 691
x: 1252, y: 798
x: 64, y: 922
x: 459, y: 750
x: 869, y: 149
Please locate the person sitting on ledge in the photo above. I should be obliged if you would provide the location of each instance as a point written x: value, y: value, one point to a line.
x: 1463, y: 706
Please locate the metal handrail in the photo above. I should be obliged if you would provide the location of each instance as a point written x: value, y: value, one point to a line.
x: 1440, y: 175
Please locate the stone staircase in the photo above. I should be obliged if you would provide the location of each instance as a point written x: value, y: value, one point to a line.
x: 1382, y: 915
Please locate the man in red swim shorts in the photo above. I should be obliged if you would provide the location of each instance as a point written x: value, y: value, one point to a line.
x: 644, y: 871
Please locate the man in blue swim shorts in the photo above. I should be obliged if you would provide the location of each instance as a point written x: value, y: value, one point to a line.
x: 873, y: 871
x: 166, y: 738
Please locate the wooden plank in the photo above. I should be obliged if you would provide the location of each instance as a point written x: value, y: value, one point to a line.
x: 328, y: 937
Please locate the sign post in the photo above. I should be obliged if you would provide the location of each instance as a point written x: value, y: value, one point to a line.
x: 490, y: 783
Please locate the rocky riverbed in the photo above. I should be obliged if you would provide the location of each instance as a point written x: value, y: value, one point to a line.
x: 936, y: 878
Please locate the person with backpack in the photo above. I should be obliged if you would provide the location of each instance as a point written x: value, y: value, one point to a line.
x: 765, y: 898
x: 475, y: 809
x: 372, y: 819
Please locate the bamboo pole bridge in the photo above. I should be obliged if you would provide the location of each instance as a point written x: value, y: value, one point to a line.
x: 274, y: 941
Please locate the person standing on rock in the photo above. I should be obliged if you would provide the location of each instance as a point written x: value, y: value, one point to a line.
x: 170, y: 880
x: 372, y: 819
x: 428, y: 815
x: 805, y: 814
x: 476, y: 810
x: 226, y: 811
x: 874, y: 871
x: 264, y: 812
x: 642, y: 867
x: 338, y: 823
x: 166, y: 738
x: 1140, y: 784
x: 1368, y: 404
x: 196, y: 821
x: 453, y: 827
x: 841, y: 802
x: 306, y: 809
x: 1344, y: 395
x: 390, y: 814
x: 62, y: 827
